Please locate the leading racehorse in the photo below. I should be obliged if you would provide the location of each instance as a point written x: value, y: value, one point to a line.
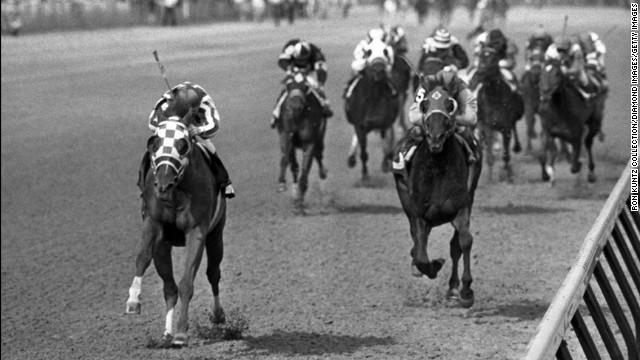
x: 440, y: 188
x: 302, y: 126
x: 499, y: 108
x: 566, y: 111
x: 184, y: 207
x: 372, y: 105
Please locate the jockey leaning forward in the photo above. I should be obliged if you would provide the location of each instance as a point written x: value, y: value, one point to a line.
x: 443, y: 46
x: 465, y: 117
x: 506, y: 50
x: 376, y: 39
x: 175, y: 104
x: 300, y: 55
x: 536, y: 46
x: 396, y: 37
x: 582, y: 60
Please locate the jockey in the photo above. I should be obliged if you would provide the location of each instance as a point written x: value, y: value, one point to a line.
x: 506, y: 50
x: 538, y: 43
x: 444, y: 46
x: 594, y: 50
x: 302, y: 55
x: 362, y: 53
x: 398, y: 40
x: 576, y: 65
x: 465, y: 117
x: 177, y: 102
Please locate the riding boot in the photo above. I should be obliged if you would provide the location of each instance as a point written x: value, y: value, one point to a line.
x: 326, y: 108
x: 221, y: 174
x: 404, y: 153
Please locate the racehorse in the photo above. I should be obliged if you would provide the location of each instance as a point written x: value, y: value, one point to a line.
x: 372, y: 106
x: 498, y: 109
x: 565, y: 114
x: 184, y: 208
x: 440, y: 188
x: 531, y: 93
x: 302, y: 126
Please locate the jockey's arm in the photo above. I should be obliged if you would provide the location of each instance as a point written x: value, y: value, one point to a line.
x: 320, y: 68
x: 210, y: 119
x: 286, y: 57
x: 467, y: 108
x: 460, y: 56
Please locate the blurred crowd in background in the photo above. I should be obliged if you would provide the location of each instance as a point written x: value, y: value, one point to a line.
x: 54, y: 15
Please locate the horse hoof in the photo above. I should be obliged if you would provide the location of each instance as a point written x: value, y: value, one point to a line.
x: 180, y: 341
x: 453, y: 295
x: 351, y: 161
x: 466, y: 303
x: 323, y: 173
x: 166, y: 341
x: 591, y: 177
x: 219, y: 317
x: 133, y: 308
x: 282, y: 187
x: 517, y: 148
x: 575, y: 168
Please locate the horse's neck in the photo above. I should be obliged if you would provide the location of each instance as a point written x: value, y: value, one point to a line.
x: 493, y: 86
x: 196, y: 172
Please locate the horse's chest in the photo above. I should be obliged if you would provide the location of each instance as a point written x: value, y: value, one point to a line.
x: 440, y: 194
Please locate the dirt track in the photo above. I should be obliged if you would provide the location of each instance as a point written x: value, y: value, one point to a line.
x: 334, y: 284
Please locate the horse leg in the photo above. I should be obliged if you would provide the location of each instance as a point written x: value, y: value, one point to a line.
x: 319, y: 150
x: 307, y: 161
x: 588, y: 142
x: 351, y: 160
x: 150, y: 234
x: 419, y: 252
x: 530, y: 119
x: 195, y: 248
x: 454, y: 281
x: 164, y: 267
x: 285, y: 145
x: 463, y: 239
x: 517, y: 147
x: 506, y: 154
x: 387, y: 149
x: 487, y: 139
x: 576, y: 164
x: 364, y: 156
x: 215, y: 251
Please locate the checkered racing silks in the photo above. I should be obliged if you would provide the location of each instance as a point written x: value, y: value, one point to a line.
x: 170, y: 132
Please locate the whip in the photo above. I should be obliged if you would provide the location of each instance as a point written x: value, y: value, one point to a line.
x: 161, y: 67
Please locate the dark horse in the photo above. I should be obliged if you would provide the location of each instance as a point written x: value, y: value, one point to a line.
x: 440, y: 188
x: 184, y: 208
x: 372, y: 106
x: 565, y: 114
x: 499, y: 108
x: 531, y: 93
x: 302, y: 126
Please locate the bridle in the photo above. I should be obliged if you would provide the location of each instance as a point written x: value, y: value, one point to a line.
x: 170, y: 132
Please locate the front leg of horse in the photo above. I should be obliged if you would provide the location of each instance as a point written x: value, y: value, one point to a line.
x: 576, y: 164
x: 307, y: 160
x: 215, y: 250
x: 285, y: 149
x: 588, y: 142
x: 419, y: 252
x: 164, y: 266
x: 464, y: 242
x: 351, y: 160
x: 150, y: 232
x: 195, y: 249
x: 506, y: 155
x: 364, y: 156
x: 487, y: 139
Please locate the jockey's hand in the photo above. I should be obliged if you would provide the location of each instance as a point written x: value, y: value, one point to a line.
x: 193, y: 131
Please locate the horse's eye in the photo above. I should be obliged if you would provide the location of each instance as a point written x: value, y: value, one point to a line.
x: 182, y: 146
x: 153, y: 144
x: 367, y: 53
x: 385, y: 52
x: 424, y: 106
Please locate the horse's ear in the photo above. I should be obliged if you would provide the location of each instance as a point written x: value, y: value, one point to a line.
x: 153, y: 144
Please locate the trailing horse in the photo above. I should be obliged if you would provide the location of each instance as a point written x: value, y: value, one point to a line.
x: 440, y: 188
x: 302, y: 126
x: 566, y: 111
x: 184, y: 208
x: 499, y: 108
x: 372, y: 105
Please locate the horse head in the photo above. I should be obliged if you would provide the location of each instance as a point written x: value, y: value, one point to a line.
x: 550, y: 79
x: 170, y: 148
x: 295, y: 104
x: 488, y: 62
x: 377, y: 61
x: 438, y: 108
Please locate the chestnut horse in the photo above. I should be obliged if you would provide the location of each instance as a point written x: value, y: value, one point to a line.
x: 184, y: 208
x: 440, y: 188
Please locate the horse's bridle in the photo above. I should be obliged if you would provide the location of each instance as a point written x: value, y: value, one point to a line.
x: 169, y: 132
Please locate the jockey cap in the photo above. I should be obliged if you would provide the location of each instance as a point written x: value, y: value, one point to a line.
x: 302, y: 53
x: 563, y: 44
x: 397, y: 32
x: 442, y: 39
x: 186, y: 97
x: 376, y: 34
x: 496, y: 40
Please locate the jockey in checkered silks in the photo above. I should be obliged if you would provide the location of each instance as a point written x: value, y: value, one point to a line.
x: 465, y: 117
x: 176, y: 103
x: 303, y: 56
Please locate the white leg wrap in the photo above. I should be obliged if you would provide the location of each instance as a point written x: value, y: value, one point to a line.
x: 168, y: 327
x: 134, y: 290
x: 354, y: 144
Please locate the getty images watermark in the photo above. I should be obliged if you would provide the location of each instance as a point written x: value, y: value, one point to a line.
x: 634, y: 106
